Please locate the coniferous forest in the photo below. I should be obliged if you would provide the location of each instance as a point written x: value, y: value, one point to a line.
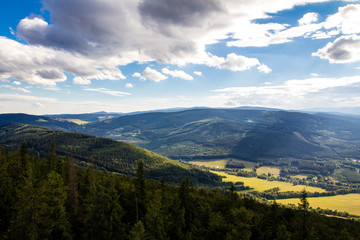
x: 53, y: 199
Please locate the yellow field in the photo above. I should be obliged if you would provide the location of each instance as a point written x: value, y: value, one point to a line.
x: 299, y: 176
x: 77, y: 121
x: 211, y: 164
x: 266, y: 170
x: 262, y: 185
x: 345, y: 203
x: 220, y: 163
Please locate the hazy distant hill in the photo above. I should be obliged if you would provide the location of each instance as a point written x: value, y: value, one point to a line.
x: 248, y: 134
x: 106, y: 154
x: 261, y: 135
x: 44, y: 121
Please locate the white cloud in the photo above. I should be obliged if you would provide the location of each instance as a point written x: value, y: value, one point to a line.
x: 314, y: 74
x: 236, y: 62
x: 177, y: 73
x: 153, y: 75
x: 16, y: 88
x: 264, y: 69
x: 344, y: 49
x: 309, y: 18
x: 294, y: 94
x: 81, y: 81
x: 25, y: 98
x: 17, y: 83
x: 197, y: 73
x: 38, y: 105
x: 138, y: 75
x: 346, y: 20
x: 155, y: 30
x: 107, y: 91
x: 129, y: 85
x: 12, y: 32
x: 46, y: 66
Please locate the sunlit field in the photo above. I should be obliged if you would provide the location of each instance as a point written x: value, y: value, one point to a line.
x: 266, y: 170
x: 262, y: 185
x: 221, y: 164
x: 345, y: 203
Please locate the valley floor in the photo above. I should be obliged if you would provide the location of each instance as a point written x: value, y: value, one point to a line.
x: 344, y: 203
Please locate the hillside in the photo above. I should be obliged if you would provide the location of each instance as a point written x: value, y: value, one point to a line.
x: 106, y: 154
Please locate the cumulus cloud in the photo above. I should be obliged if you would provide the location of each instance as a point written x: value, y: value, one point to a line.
x: 233, y: 62
x: 107, y: 91
x: 177, y: 73
x: 81, y: 81
x: 153, y: 75
x: 46, y: 66
x: 309, y: 18
x: 264, y: 69
x: 346, y: 19
x: 293, y: 93
x: 17, y: 83
x: 81, y: 38
x: 344, y: 49
x: 129, y: 85
x: 197, y: 73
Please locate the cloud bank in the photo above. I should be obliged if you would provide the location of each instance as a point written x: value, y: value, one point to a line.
x: 92, y: 39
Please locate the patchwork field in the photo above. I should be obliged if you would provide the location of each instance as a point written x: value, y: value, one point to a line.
x: 221, y: 163
x: 345, y: 203
x: 272, y: 170
x: 262, y: 185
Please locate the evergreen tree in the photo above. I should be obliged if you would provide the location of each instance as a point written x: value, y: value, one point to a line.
x: 155, y: 218
x: 54, y: 223
x: 304, y: 208
x: 138, y: 231
x: 26, y: 220
x: 140, y: 191
x: 23, y: 154
x: 52, y: 157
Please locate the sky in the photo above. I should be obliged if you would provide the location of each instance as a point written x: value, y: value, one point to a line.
x: 77, y: 56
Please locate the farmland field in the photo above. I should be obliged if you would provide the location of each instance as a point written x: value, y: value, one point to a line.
x: 221, y: 163
x: 266, y: 170
x: 211, y: 164
x: 262, y: 185
x: 345, y: 203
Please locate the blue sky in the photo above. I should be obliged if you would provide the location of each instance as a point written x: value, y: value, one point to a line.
x: 75, y: 56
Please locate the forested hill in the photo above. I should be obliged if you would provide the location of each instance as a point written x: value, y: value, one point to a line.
x: 51, y: 199
x: 249, y: 134
x: 255, y: 135
x: 106, y: 154
x: 43, y: 121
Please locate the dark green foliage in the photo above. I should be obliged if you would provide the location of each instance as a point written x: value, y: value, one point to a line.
x: 89, y: 204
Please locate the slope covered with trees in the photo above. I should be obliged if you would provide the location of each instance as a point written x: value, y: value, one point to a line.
x: 104, y: 154
x: 51, y: 199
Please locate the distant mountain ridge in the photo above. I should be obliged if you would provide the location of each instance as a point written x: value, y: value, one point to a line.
x: 259, y: 135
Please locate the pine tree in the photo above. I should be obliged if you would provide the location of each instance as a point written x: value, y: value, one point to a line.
x: 140, y: 191
x: 304, y: 208
x: 138, y: 231
x: 155, y: 218
x: 23, y: 154
x: 54, y: 223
